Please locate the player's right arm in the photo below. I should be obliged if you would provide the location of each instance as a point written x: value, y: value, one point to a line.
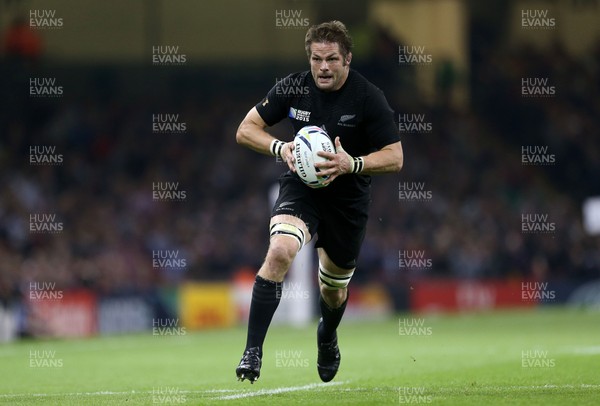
x: 251, y: 134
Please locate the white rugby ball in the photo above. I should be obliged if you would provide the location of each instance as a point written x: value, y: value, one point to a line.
x: 308, y: 141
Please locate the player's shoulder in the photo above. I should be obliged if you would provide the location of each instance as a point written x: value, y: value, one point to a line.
x: 372, y: 98
x: 363, y: 85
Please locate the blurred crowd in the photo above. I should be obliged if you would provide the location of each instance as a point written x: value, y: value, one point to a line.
x: 469, y: 226
x: 481, y: 189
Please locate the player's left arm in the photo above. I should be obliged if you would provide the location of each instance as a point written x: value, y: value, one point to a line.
x: 388, y: 159
x: 384, y: 139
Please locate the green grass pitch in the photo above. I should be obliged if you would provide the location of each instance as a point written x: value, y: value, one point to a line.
x: 528, y: 357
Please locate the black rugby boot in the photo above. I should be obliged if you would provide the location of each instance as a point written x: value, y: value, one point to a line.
x: 250, y: 364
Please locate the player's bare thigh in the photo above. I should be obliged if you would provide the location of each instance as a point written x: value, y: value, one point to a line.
x: 282, y: 249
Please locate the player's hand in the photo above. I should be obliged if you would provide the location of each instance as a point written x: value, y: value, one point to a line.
x: 338, y: 164
x: 287, y: 155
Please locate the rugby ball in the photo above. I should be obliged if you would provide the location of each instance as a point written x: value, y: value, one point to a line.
x: 307, y: 143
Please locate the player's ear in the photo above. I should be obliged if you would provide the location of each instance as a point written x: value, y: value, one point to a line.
x: 348, y: 58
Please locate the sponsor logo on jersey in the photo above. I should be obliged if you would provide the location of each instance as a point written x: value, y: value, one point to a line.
x: 345, y: 120
x: 300, y: 115
x: 285, y: 206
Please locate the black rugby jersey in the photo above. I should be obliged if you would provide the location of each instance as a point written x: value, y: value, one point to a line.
x: 358, y: 113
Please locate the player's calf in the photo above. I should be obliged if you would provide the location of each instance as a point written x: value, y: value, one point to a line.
x: 334, y: 296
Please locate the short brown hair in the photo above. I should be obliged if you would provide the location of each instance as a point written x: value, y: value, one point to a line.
x: 330, y: 31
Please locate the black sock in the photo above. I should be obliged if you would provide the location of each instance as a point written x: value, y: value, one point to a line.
x: 265, y: 299
x: 331, y: 319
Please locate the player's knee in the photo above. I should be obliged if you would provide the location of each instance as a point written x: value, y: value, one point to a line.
x: 282, y: 252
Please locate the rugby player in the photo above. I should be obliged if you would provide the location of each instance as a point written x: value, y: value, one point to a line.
x: 356, y: 113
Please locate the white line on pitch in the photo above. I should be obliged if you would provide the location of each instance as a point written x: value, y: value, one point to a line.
x: 42, y: 395
x: 110, y: 393
x: 276, y: 391
x: 291, y: 389
x: 183, y: 392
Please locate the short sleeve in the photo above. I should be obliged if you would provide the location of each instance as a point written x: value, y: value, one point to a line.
x: 380, y: 125
x: 273, y: 108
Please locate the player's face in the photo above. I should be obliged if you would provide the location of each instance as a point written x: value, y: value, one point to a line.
x: 329, y: 70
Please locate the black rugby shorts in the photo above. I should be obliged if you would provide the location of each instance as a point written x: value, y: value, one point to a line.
x: 336, y: 215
